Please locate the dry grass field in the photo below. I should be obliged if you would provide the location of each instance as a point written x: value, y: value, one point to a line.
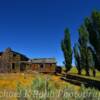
x: 8, y: 82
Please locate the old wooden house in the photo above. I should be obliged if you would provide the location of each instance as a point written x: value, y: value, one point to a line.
x: 11, y: 61
x: 45, y: 65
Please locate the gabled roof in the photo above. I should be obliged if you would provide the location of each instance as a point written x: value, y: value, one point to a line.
x: 16, y: 53
x: 20, y: 55
x: 43, y: 60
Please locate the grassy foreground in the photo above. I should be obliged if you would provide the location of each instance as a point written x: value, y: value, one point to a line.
x: 9, y: 82
x: 44, y: 88
x: 37, y: 86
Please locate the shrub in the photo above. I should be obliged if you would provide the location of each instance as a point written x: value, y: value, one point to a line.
x: 43, y: 89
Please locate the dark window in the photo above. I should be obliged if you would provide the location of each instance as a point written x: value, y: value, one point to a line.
x: 41, y: 65
x: 13, y: 66
x: 22, y: 67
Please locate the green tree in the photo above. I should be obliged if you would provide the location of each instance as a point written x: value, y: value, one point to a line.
x: 77, y: 58
x: 83, y: 42
x: 67, y: 51
x: 93, y: 27
x: 91, y: 59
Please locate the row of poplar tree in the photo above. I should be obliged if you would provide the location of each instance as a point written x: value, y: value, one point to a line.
x: 87, y: 49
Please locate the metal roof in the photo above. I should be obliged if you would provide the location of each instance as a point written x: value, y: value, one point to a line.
x: 44, y: 60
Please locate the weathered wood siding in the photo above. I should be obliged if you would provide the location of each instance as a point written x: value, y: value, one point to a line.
x: 47, y: 68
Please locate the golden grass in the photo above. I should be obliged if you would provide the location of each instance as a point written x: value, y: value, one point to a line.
x: 9, y: 81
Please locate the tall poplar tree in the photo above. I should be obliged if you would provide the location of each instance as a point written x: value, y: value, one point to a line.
x: 92, y: 24
x: 77, y: 58
x: 83, y: 42
x: 67, y: 51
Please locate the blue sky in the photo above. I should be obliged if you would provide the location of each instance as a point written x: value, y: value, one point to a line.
x: 35, y: 27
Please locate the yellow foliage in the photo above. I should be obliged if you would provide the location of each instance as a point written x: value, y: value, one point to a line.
x: 10, y: 81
